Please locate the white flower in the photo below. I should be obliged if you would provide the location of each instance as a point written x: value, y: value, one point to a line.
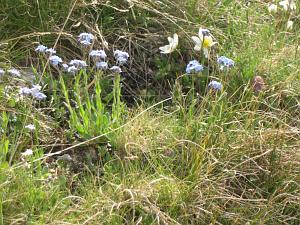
x: 203, y: 41
x: 284, y: 4
x: 293, y: 5
x: 30, y: 127
x: 173, y: 43
x: 2, y: 72
x: 272, y: 8
x: 289, y: 25
x: 288, y: 4
x: 28, y: 152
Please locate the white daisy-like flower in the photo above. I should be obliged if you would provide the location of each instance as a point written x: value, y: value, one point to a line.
x: 173, y: 43
x: 289, y: 25
x: 28, y: 152
x: 293, y: 5
x: 203, y: 41
x: 272, y: 8
x: 288, y: 4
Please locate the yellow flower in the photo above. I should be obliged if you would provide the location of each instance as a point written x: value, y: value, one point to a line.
x: 173, y: 43
x: 203, y: 41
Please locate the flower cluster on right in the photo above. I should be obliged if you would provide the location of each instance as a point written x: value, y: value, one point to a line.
x: 203, y: 42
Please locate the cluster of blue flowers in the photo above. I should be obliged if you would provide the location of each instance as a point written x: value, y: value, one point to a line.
x: 97, y: 56
x: 85, y: 39
x: 225, y: 62
x: 215, y: 85
x: 35, y: 92
x: 13, y: 72
x: 121, y: 57
x: 195, y: 67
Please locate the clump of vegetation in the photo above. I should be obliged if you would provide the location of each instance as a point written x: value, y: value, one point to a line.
x: 149, y: 112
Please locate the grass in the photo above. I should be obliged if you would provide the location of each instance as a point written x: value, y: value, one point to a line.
x: 154, y: 145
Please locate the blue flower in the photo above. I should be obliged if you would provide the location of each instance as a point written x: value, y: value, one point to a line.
x: 215, y: 85
x: 121, y: 57
x: 72, y: 69
x: 14, y: 72
x: 98, y: 55
x: 85, y: 38
x: 194, y: 67
x: 205, y: 32
x: 65, y: 66
x: 36, y: 92
x: 79, y: 64
x: 41, y: 48
x: 118, y: 54
x: 39, y: 95
x: 25, y: 91
x: 50, y: 51
x: 121, y: 61
x: 102, y: 65
x: 36, y: 87
x: 55, y: 60
x: 225, y: 62
x: 85, y: 43
x: 115, y: 69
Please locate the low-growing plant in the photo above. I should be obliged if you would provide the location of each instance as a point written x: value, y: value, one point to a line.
x: 89, y: 115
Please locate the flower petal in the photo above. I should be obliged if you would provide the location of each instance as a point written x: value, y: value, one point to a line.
x: 197, y: 40
x: 165, y: 49
x: 170, y: 40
